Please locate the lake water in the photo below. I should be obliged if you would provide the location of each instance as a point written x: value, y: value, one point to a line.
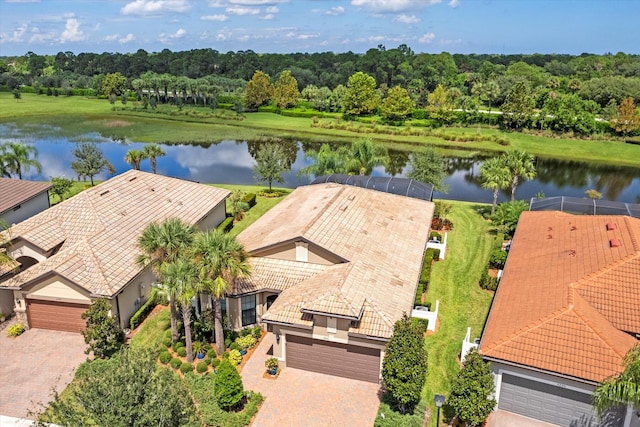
x: 232, y: 162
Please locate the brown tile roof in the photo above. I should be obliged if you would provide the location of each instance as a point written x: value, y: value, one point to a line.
x: 99, y: 228
x: 275, y: 274
x: 14, y: 192
x: 568, y: 300
x: 381, y: 236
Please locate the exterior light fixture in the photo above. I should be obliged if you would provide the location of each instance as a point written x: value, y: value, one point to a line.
x: 439, y: 400
x: 19, y: 302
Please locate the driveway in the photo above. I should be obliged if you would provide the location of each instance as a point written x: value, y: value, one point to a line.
x: 300, y: 397
x: 33, y: 364
x: 500, y: 418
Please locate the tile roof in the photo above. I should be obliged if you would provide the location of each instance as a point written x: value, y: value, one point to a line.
x: 98, y: 228
x: 381, y: 236
x: 14, y: 192
x: 568, y: 299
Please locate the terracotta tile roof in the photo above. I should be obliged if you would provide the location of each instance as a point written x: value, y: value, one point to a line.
x: 568, y: 301
x: 14, y: 192
x: 99, y: 228
x: 381, y: 236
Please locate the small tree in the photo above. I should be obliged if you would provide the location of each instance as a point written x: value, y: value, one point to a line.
x: 17, y: 95
x: 439, y: 105
x: 271, y: 164
x: 89, y: 160
x: 397, y: 106
x: 404, y: 367
x: 103, y: 335
x: 518, y: 106
x: 361, y: 96
x: 228, y: 390
x: 627, y: 119
x: 238, y: 205
x: 60, y: 186
x: 285, y: 91
x: 259, y: 90
x: 471, y: 391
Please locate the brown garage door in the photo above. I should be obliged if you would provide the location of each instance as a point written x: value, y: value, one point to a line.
x: 350, y: 361
x: 59, y: 316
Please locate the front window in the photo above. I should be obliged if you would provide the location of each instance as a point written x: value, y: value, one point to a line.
x: 248, y: 310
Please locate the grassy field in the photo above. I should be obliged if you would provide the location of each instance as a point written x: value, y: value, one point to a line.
x: 72, y: 116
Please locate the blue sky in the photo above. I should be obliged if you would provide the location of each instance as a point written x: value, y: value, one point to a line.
x: 281, y: 26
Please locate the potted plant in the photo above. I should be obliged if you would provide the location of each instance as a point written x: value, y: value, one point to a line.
x: 199, y: 349
x: 272, y: 365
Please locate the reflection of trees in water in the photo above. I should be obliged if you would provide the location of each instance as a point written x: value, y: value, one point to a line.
x: 398, y: 160
x: 615, y: 182
x: 289, y: 146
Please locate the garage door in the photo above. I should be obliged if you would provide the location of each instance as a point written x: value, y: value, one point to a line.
x: 59, y: 316
x: 549, y: 403
x: 350, y: 361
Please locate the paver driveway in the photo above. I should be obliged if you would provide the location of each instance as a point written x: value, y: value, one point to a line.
x: 34, y: 363
x: 303, y: 398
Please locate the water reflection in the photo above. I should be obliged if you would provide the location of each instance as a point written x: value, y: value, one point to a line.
x: 233, y: 161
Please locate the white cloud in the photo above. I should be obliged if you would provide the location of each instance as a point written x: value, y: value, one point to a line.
x: 154, y: 7
x: 126, y: 39
x: 407, y: 19
x: 237, y: 10
x: 166, y: 38
x: 376, y: 38
x: 19, y: 32
x: 220, y: 18
x: 307, y: 36
x: 268, y: 16
x: 454, y: 3
x: 448, y: 42
x: 272, y: 9
x: 112, y: 37
x: 393, y: 5
x: 335, y: 11
x: 179, y: 34
x: 427, y: 38
x: 71, y: 32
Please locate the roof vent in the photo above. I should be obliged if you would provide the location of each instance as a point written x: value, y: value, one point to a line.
x: 104, y: 192
x: 133, y: 179
x: 574, y: 228
x: 615, y: 243
x: 611, y: 226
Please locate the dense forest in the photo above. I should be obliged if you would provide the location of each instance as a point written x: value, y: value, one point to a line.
x: 581, y: 88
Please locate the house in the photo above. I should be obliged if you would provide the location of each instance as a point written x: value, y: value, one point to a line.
x: 86, y: 247
x: 565, y: 313
x: 333, y: 268
x: 21, y: 199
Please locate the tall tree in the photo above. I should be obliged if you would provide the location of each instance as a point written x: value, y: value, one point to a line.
x: 404, y: 367
x: 102, y: 335
x: 220, y: 259
x: 134, y: 158
x: 271, y: 164
x: 259, y: 90
x: 623, y: 388
x: 285, y: 91
x: 521, y: 165
x: 152, y: 151
x: 361, y: 96
x: 114, y: 83
x: 89, y: 160
x: 439, y: 105
x: 427, y: 166
x: 517, y: 108
x: 495, y: 175
x: 397, y: 106
x: 161, y: 244
x: 627, y: 118
x: 20, y: 157
x: 471, y: 391
x: 364, y: 155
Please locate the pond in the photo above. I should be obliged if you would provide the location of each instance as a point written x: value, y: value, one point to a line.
x: 232, y: 162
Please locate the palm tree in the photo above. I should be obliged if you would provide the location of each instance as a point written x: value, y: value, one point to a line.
x: 161, y: 244
x: 364, y: 155
x: 621, y: 388
x: 495, y: 175
x: 4, y: 167
x: 325, y: 161
x: 134, y: 158
x: 181, y: 275
x: 17, y: 157
x: 521, y: 165
x: 151, y: 152
x: 220, y: 259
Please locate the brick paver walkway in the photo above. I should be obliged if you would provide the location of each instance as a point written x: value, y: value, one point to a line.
x: 302, y: 398
x: 34, y: 363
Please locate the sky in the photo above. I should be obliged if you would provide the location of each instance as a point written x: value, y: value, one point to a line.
x: 285, y: 26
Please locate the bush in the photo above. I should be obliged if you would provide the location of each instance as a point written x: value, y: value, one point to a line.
x: 182, y: 351
x: 142, y: 313
x: 246, y: 341
x: 234, y: 346
x: 250, y: 199
x: 499, y: 240
x: 186, y: 367
x: 256, y: 332
x: 488, y: 282
x: 177, y: 345
x: 421, y: 324
x: 211, y: 353
x: 225, y: 355
x: 228, y: 387
x: 165, y: 357
x: 15, y: 330
x: 434, y: 235
x: 235, y: 357
x: 215, y: 362
x: 226, y: 225
x: 244, y: 332
x: 166, y: 341
x: 202, y: 367
x: 175, y: 363
x: 498, y: 258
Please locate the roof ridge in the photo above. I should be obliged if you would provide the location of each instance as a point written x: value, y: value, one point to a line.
x: 378, y: 311
x: 587, y: 279
x: 635, y: 240
x: 321, y: 212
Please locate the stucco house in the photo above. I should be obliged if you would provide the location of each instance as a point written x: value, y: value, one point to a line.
x: 86, y: 247
x: 334, y: 267
x: 565, y: 313
x: 21, y: 199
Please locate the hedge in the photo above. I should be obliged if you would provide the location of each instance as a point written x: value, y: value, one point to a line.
x: 142, y: 313
x: 488, y: 282
x: 250, y: 199
x: 226, y: 225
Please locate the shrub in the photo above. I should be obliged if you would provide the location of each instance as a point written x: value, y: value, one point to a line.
x: 175, y: 363
x: 182, y: 351
x: 186, y: 367
x: 215, y: 363
x: 499, y: 240
x: 250, y: 199
x: 177, y: 345
x: 142, y: 313
x: 488, y: 282
x: 498, y: 258
x: 246, y: 341
x: 421, y: 324
x: 271, y: 363
x: 257, y: 332
x: 225, y: 355
x: 226, y: 225
x: 228, y: 387
x: 235, y: 357
x: 234, y: 346
x: 211, y: 353
x: 15, y: 330
x: 434, y: 235
x: 165, y: 357
x: 244, y: 332
x: 419, y: 292
x: 202, y: 367
x: 166, y: 341
x: 227, y: 342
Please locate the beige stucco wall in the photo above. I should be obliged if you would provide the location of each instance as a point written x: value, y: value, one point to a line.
x: 6, y: 301
x: 27, y: 209
x: 24, y: 248
x: 234, y: 311
x: 287, y: 252
x: 320, y: 331
x: 54, y: 288
x: 215, y: 217
x: 139, y: 287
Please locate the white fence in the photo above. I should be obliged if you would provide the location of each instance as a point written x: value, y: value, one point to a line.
x: 467, y: 345
x: 435, y: 244
x: 424, y: 313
